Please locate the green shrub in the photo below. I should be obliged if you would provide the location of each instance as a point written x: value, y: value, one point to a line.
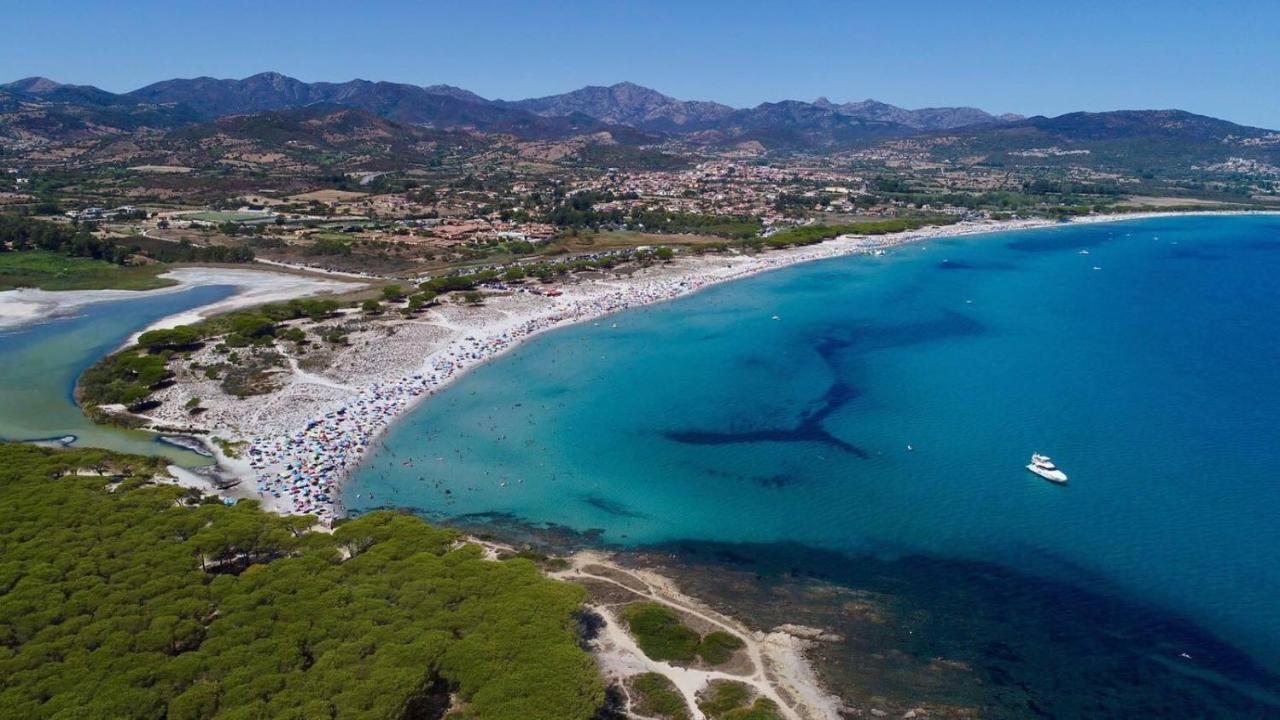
x: 125, y: 378
x: 732, y: 700
x: 653, y: 695
x: 718, y: 647
x: 181, y: 337
x: 660, y: 634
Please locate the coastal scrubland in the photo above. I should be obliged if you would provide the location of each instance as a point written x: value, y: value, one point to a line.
x: 247, y: 342
x: 130, y: 376
x: 121, y: 597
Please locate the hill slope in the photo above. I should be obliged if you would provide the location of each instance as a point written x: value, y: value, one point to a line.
x: 1126, y: 139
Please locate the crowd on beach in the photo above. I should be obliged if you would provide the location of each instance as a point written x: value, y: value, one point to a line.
x: 302, y: 472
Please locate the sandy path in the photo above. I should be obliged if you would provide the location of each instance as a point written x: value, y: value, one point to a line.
x: 779, y: 670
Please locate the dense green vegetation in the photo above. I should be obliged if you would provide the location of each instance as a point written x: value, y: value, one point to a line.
x: 813, y: 234
x: 19, y: 233
x: 52, y: 271
x: 185, y: 251
x: 731, y: 700
x: 257, y: 326
x: 661, y: 635
x: 121, y: 599
x: 653, y: 695
x: 126, y: 378
x: 325, y: 245
x: 717, y: 647
x: 452, y: 283
x: 660, y: 221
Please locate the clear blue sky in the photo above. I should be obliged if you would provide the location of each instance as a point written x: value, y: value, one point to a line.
x: 1217, y: 58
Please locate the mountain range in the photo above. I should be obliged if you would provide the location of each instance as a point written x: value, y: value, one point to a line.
x: 589, y: 109
x: 634, y: 115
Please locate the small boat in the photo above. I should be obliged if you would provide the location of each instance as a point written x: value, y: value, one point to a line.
x: 1043, y: 466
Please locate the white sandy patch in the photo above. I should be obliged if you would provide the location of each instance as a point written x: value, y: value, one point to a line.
x: 27, y: 305
x: 253, y: 287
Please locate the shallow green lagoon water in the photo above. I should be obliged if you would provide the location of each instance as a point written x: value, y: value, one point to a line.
x: 41, y: 362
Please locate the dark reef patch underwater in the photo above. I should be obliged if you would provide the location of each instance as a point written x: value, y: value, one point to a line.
x: 950, y: 635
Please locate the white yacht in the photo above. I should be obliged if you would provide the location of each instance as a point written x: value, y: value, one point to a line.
x: 1044, y: 467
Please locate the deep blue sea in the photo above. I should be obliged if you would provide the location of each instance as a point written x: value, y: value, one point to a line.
x: 886, y: 407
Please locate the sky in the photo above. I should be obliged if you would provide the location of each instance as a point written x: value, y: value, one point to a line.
x: 1215, y: 58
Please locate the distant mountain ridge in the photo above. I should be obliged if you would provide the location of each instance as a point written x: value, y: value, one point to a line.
x: 938, y: 118
x: 630, y: 114
x: 629, y: 104
x: 624, y: 104
x: 435, y: 105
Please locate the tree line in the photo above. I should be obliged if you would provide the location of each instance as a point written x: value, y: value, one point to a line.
x: 813, y: 234
x: 578, y: 211
x: 18, y: 233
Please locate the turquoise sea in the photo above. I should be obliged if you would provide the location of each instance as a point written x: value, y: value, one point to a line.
x: 41, y: 363
x: 885, y: 407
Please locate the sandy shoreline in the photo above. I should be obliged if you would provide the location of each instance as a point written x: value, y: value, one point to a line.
x: 305, y: 439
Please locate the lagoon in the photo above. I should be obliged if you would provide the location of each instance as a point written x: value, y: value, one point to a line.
x: 42, y: 362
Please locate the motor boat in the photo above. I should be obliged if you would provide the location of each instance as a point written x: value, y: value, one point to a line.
x: 1043, y: 466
